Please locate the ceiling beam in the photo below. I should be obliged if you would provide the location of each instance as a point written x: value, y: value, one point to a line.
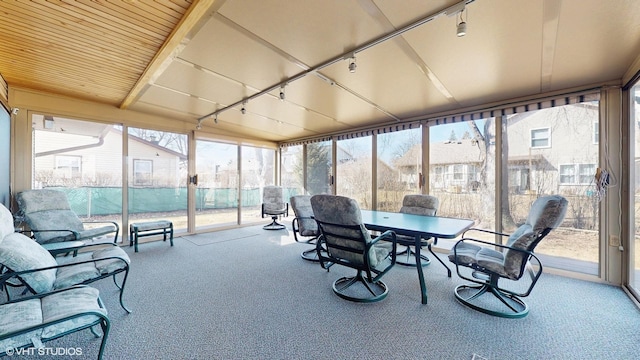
x: 171, y: 47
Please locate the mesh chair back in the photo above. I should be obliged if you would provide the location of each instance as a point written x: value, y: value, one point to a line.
x: 301, y: 205
x: 48, y: 209
x: 340, y: 222
x: 545, y: 214
x: 420, y: 205
x: 273, y: 200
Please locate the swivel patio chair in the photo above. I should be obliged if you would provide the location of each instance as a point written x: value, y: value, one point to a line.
x: 28, y: 322
x: 304, y: 225
x: 509, y: 262
x: 273, y: 205
x: 26, y: 264
x: 50, y: 218
x: 425, y: 205
x: 344, y: 240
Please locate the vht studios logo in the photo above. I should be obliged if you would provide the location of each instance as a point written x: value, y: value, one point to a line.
x: 57, y: 351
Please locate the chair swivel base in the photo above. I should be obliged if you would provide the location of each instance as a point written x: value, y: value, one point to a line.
x: 408, y: 258
x: 367, y: 291
x: 275, y: 225
x: 469, y: 295
x: 312, y: 254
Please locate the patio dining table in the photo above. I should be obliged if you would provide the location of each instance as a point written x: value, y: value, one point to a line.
x: 419, y: 227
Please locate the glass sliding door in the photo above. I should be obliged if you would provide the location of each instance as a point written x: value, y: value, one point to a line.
x: 83, y: 159
x: 258, y: 171
x: 462, y: 171
x: 555, y: 151
x: 634, y: 258
x: 217, y: 191
x: 157, y: 176
x: 399, y: 167
x: 291, y: 166
x: 353, y: 170
x: 319, y: 166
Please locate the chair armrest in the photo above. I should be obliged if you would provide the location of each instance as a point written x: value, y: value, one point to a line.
x: 115, y: 238
x: 76, y: 235
x: 534, y: 275
x: 388, y: 235
x: 10, y: 274
x: 464, y: 234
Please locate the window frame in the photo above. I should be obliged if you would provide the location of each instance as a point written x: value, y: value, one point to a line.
x: 547, y: 138
x: 73, y: 174
x: 136, y: 180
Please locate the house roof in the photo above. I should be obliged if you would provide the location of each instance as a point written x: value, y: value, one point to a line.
x: 465, y: 151
x: 185, y: 59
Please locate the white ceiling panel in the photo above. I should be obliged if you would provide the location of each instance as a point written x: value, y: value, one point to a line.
x: 223, y: 49
x: 312, y: 31
x: 187, y: 60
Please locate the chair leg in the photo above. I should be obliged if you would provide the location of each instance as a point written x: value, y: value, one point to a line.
x: 517, y: 308
x: 275, y: 225
x: 121, y: 287
x: 410, y: 258
x: 378, y: 290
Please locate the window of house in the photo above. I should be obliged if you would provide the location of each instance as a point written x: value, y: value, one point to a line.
x: 68, y: 166
x: 586, y: 173
x: 458, y: 172
x: 142, y: 172
x: 567, y: 174
x: 540, y: 138
x: 572, y: 174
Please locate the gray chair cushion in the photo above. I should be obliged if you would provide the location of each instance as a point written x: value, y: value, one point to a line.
x: 342, y: 210
x: 33, y: 312
x: 6, y: 222
x: 18, y: 316
x: 76, y: 274
x: 273, y: 200
x: 301, y: 205
x: 67, y: 303
x: 417, y: 204
x: 546, y: 212
x: 19, y: 253
x: 46, y: 209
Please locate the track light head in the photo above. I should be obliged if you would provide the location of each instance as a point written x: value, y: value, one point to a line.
x: 199, y: 126
x: 461, y: 29
x: 243, y: 110
x: 215, y: 119
x: 352, y: 65
x: 282, y: 96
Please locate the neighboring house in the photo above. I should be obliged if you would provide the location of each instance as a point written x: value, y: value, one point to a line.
x: 548, y: 152
x: 89, y: 157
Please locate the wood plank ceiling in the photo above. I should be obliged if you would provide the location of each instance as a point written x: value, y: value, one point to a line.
x: 186, y: 59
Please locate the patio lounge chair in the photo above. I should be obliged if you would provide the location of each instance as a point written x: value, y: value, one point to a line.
x: 50, y: 218
x: 509, y: 262
x: 30, y: 321
x: 25, y: 263
x: 273, y: 205
x: 304, y: 225
x: 345, y: 241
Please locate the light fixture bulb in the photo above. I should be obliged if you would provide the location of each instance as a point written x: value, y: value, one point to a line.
x: 352, y: 65
x: 215, y: 119
x: 462, y: 29
x: 282, y: 96
x: 243, y: 110
x: 199, y: 126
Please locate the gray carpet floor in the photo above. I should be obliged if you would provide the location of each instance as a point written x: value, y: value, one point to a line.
x: 255, y: 298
